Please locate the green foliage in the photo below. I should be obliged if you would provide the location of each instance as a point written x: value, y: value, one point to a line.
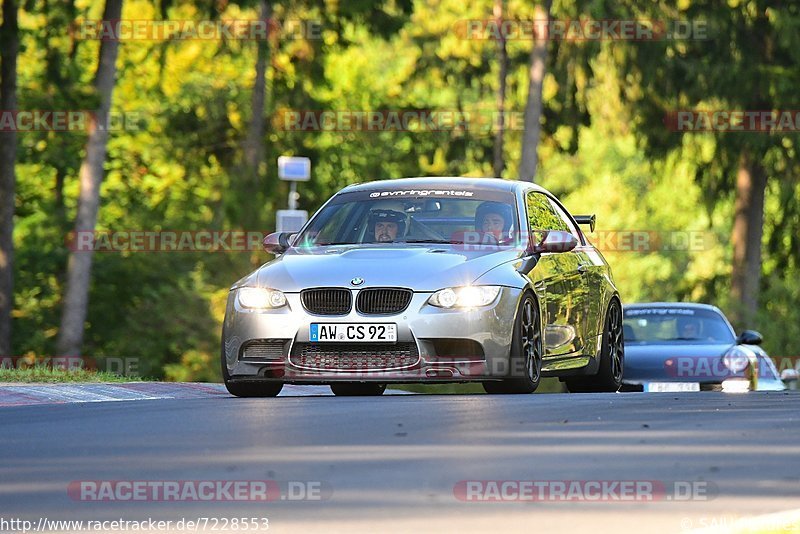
x: 178, y: 165
x: 779, y: 316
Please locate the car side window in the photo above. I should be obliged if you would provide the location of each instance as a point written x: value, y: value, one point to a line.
x: 335, y: 229
x: 542, y: 215
x: 573, y: 229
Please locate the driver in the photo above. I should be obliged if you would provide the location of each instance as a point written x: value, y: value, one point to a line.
x: 386, y: 225
x: 688, y: 328
x: 494, y: 218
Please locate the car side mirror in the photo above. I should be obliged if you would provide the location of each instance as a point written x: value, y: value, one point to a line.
x: 749, y: 337
x: 555, y: 241
x: 277, y: 242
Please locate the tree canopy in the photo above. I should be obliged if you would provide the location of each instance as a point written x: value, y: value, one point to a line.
x: 182, y: 110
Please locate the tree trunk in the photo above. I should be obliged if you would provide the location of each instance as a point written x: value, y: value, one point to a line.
x: 9, y: 48
x: 79, y: 267
x: 253, y: 148
x: 748, y: 227
x: 249, y: 190
x: 534, y: 106
x: 502, y: 59
x: 61, y: 174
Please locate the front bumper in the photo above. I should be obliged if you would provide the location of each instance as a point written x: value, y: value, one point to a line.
x: 709, y: 372
x: 428, y: 348
x: 767, y: 384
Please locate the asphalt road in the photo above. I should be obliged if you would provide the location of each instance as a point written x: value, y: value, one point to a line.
x: 400, y: 463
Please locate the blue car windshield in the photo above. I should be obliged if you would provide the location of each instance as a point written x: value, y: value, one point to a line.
x: 415, y: 216
x: 662, y: 324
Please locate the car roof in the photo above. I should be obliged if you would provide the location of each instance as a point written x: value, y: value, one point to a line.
x: 497, y: 184
x: 694, y: 305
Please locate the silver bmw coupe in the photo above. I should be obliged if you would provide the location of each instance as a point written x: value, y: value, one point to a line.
x: 427, y: 280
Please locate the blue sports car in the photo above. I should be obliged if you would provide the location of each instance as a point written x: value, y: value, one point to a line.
x: 674, y: 346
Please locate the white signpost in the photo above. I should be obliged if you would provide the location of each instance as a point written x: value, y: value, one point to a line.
x: 292, y: 170
x: 290, y: 220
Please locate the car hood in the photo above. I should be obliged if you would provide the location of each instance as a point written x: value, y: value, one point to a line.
x: 421, y: 268
x: 675, y: 362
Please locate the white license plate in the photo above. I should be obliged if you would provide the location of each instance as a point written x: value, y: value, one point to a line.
x: 353, y: 332
x: 671, y: 387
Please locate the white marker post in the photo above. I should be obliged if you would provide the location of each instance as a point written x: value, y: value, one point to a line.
x: 292, y: 170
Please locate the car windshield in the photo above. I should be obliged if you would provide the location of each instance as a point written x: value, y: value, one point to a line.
x: 415, y: 216
x: 658, y: 324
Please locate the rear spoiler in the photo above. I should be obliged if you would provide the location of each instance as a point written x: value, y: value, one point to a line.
x: 586, y: 219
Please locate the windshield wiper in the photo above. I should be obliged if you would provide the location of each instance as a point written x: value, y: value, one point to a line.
x: 439, y: 241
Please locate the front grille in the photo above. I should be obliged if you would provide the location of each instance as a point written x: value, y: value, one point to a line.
x: 327, y: 301
x: 264, y: 349
x: 383, y: 301
x: 354, y: 356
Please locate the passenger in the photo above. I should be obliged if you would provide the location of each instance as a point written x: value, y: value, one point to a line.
x: 689, y: 328
x: 495, y: 218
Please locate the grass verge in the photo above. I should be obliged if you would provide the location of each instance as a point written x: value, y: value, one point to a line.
x: 54, y: 376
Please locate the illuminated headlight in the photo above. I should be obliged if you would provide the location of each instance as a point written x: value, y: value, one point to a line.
x: 260, y: 298
x: 464, y: 297
x: 735, y: 385
x: 737, y: 359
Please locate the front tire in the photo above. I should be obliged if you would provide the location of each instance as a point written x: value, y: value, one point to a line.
x: 612, y: 357
x: 254, y: 389
x: 247, y: 389
x: 526, y: 352
x: 357, y: 389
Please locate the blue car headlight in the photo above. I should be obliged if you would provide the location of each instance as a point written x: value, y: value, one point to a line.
x: 464, y: 297
x: 737, y: 359
x: 260, y: 298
